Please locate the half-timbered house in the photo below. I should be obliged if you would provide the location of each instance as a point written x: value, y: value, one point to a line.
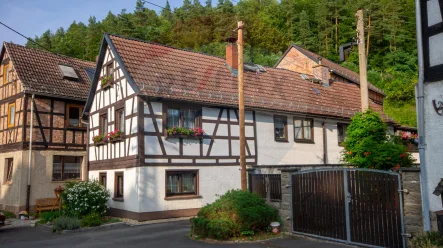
x: 163, y: 124
x: 57, y: 87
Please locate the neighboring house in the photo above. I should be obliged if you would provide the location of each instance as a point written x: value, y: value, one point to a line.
x: 60, y: 87
x: 301, y: 60
x: 144, y: 89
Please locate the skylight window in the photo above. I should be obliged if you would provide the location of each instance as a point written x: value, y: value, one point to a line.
x: 317, y: 91
x: 68, y: 72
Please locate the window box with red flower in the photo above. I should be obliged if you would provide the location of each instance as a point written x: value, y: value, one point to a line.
x: 185, y: 133
x: 115, y: 136
x: 100, y: 139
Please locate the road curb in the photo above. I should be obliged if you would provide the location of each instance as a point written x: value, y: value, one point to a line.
x: 86, y: 229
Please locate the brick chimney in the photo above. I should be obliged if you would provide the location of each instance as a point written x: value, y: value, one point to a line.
x: 232, y: 56
x: 322, y: 72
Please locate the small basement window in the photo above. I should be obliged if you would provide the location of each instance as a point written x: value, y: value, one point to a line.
x: 68, y: 72
x: 9, y: 166
x: 118, y: 186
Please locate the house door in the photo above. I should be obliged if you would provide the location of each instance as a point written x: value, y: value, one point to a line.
x: 359, y: 206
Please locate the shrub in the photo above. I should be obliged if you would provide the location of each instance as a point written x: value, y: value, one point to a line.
x: 46, y: 217
x: 82, y: 198
x: 235, y: 212
x: 428, y: 240
x: 9, y: 215
x: 368, y: 144
x: 92, y: 219
x: 66, y: 223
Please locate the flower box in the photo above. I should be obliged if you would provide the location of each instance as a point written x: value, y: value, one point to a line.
x: 106, y: 81
x: 181, y: 136
x: 115, y: 140
x: 115, y: 136
x: 185, y: 133
x: 100, y: 139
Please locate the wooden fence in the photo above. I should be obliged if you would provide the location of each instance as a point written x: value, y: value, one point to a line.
x: 267, y: 186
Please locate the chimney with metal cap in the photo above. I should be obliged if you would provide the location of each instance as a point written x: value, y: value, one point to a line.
x: 321, y: 72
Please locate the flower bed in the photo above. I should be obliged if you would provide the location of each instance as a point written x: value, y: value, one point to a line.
x: 187, y: 133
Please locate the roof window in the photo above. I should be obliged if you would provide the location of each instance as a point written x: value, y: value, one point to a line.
x: 68, y: 72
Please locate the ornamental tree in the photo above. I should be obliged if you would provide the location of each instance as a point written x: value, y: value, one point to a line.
x: 369, y: 145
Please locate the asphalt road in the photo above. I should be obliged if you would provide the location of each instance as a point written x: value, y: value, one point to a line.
x: 171, y: 234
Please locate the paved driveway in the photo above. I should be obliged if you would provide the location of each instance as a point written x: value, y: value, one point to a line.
x: 171, y: 234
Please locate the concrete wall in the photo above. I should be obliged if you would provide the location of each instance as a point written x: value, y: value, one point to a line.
x: 13, y: 195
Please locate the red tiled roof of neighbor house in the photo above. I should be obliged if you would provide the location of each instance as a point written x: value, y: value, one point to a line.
x: 162, y: 71
x: 336, y: 68
x: 39, y: 72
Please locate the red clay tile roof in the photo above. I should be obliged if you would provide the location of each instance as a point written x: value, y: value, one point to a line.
x: 40, y: 74
x: 337, y: 69
x: 161, y: 71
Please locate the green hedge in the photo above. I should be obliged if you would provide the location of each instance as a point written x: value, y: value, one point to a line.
x: 235, y: 212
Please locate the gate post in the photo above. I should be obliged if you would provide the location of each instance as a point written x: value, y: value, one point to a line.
x: 347, y: 201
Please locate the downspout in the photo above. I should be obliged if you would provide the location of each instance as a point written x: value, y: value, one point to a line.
x: 421, y: 121
x: 31, y: 124
x: 325, y: 146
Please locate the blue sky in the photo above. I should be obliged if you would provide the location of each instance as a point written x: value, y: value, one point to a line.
x: 33, y: 17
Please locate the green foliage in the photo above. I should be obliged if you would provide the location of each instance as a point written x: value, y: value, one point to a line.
x: 235, y: 213
x: 428, y: 240
x: 9, y: 215
x: 66, y: 223
x: 48, y: 216
x: 369, y: 146
x: 92, y: 219
x: 85, y: 197
x: 270, y: 26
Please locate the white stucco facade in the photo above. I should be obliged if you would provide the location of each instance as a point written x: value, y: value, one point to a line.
x: 433, y: 139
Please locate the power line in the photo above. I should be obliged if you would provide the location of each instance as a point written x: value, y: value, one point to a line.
x: 29, y: 39
x: 154, y: 4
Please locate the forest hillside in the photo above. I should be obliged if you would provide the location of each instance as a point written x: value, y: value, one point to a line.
x: 270, y: 27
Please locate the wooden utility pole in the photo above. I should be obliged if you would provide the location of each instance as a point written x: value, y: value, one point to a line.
x: 241, y: 106
x: 362, y: 61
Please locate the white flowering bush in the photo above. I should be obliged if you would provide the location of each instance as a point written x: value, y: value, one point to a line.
x: 85, y: 197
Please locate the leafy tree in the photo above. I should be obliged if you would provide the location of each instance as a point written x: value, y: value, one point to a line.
x: 368, y: 144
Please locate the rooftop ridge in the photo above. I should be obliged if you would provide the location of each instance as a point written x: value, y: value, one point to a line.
x: 167, y: 46
x: 48, y: 52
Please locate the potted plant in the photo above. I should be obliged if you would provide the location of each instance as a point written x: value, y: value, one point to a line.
x: 100, y: 139
x: 115, y: 136
x: 106, y: 81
